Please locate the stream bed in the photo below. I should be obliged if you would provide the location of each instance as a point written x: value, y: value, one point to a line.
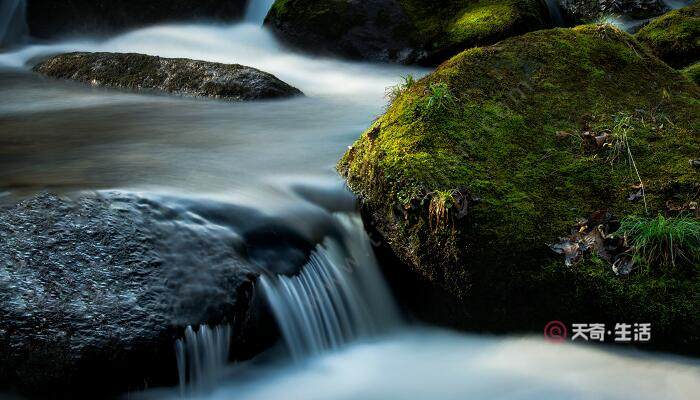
x: 278, y: 157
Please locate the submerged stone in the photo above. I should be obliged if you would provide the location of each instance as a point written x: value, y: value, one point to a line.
x: 171, y: 75
x: 475, y: 170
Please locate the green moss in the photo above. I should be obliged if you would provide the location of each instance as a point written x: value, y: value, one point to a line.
x: 459, y: 24
x: 675, y: 36
x: 435, y: 30
x: 692, y: 72
x: 513, y: 154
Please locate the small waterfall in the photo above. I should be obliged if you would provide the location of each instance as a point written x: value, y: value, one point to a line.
x: 257, y: 10
x: 555, y: 13
x: 339, y: 296
x: 201, y: 357
x: 13, y: 22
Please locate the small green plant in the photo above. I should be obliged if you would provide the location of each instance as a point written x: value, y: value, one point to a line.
x: 439, y: 100
x: 661, y: 241
x: 407, y: 82
x: 619, y: 143
x: 440, y: 204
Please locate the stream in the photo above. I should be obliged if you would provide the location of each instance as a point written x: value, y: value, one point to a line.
x: 343, y: 335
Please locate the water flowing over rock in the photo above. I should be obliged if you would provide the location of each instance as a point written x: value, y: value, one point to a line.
x: 177, y: 76
x: 257, y: 10
x: 94, y: 293
x: 13, y: 22
x: 339, y: 296
x: 201, y: 357
x: 49, y: 19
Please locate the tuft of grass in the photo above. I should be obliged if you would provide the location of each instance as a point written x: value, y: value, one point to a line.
x: 620, y: 144
x: 661, y: 241
x: 407, y: 82
x: 439, y: 100
x: 440, y: 203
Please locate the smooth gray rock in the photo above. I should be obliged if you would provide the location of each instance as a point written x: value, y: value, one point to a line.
x: 170, y: 75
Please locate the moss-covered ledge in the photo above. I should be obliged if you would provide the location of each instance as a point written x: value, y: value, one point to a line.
x: 408, y: 31
x: 692, y: 72
x: 475, y: 170
x: 675, y: 36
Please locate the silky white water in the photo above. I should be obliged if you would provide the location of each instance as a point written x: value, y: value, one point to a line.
x: 245, y: 43
x: 338, y: 297
x: 434, y: 364
x: 276, y: 159
x: 201, y: 357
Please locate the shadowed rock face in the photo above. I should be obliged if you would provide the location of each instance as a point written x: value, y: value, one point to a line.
x: 177, y: 76
x: 405, y: 31
x: 95, y: 291
x: 50, y: 18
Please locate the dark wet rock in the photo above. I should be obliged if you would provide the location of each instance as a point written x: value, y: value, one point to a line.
x: 675, y: 36
x: 47, y: 18
x: 583, y: 11
x: 171, y: 75
x: 477, y: 169
x: 95, y: 291
x: 406, y: 31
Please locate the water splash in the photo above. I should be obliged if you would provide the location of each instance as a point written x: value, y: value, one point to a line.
x: 257, y: 10
x: 338, y: 297
x: 201, y: 357
x: 13, y: 22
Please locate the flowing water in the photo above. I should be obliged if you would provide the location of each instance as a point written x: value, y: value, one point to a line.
x: 13, y: 26
x: 257, y: 10
x: 338, y: 297
x: 201, y: 357
x: 240, y: 163
x: 555, y: 13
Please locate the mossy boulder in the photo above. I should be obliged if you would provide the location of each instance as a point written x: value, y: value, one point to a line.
x: 170, y: 75
x: 475, y: 170
x: 407, y: 31
x: 48, y: 19
x: 692, y: 72
x: 675, y: 36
